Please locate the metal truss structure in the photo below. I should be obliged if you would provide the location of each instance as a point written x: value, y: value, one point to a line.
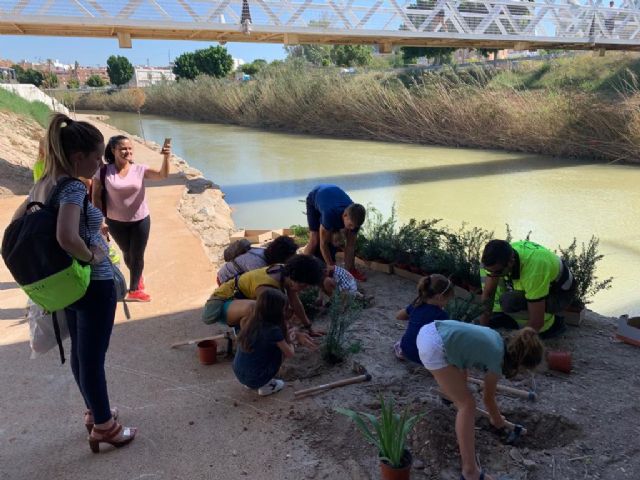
x: 557, y: 24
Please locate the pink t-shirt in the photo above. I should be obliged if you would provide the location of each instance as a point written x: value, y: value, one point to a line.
x: 125, y: 196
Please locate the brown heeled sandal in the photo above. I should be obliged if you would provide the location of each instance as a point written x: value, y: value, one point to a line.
x: 88, y: 418
x: 108, y: 435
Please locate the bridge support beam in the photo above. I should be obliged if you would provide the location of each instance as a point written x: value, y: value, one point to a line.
x: 522, y: 46
x: 124, y: 40
x: 291, y: 39
x: 386, y: 47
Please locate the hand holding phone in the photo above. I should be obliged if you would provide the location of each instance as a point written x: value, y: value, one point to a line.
x: 166, y: 147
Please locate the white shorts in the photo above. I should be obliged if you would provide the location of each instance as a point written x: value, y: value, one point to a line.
x: 431, y: 348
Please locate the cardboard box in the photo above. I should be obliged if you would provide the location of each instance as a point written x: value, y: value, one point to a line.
x: 629, y: 330
x: 381, y: 267
x: 273, y: 234
x: 401, y: 272
x: 251, y: 235
x: 574, y: 318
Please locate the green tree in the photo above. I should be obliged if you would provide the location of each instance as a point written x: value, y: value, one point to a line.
x: 440, y: 55
x: 319, y: 55
x: 185, y: 66
x: 214, y: 61
x: 254, y: 67
x: 73, y: 83
x: 95, y: 81
x: 119, y: 69
x: 50, y: 80
x: 351, y: 55
x: 28, y: 76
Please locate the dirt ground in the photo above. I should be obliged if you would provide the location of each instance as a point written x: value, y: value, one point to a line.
x: 582, y: 425
x: 197, y: 422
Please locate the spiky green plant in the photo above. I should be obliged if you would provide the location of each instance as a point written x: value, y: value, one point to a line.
x: 343, y: 311
x: 388, y: 433
x: 465, y: 309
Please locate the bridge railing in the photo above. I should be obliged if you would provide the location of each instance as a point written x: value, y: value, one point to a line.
x: 573, y: 20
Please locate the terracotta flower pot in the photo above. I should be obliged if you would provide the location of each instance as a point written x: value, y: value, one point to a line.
x: 387, y: 472
x: 208, y: 352
x: 559, y: 361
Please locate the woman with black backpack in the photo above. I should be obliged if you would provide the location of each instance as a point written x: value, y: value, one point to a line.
x: 74, y: 149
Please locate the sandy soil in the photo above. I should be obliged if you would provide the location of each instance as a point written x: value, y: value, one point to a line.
x: 197, y: 422
x: 19, y: 138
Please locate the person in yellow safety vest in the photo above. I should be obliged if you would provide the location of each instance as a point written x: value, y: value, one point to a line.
x: 525, y: 284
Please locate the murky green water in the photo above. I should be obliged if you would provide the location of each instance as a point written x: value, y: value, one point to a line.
x: 266, y: 175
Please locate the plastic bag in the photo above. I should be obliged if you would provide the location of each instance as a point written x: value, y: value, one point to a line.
x: 43, y: 337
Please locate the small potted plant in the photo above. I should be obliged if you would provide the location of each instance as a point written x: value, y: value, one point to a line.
x: 388, y: 433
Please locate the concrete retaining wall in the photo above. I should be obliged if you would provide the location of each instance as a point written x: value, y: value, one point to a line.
x: 33, y: 94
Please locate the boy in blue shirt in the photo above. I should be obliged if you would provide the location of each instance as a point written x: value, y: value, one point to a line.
x: 330, y: 209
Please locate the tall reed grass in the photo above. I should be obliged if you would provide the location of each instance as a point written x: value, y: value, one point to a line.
x: 458, y: 110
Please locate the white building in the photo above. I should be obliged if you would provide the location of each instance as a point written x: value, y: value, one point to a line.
x: 147, y: 76
x: 237, y: 63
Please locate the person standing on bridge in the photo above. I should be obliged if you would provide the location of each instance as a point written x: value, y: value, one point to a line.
x: 119, y: 191
x: 330, y: 209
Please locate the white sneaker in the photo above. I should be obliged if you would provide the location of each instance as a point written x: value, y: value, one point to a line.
x: 272, y: 387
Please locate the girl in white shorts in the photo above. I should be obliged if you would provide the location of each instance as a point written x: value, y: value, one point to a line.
x: 447, y: 348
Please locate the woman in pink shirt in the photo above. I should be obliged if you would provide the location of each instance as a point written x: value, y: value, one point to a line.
x: 118, y: 190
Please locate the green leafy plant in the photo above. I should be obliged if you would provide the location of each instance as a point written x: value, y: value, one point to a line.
x: 583, y: 266
x: 378, y: 236
x: 466, y: 309
x: 388, y: 433
x: 308, y: 298
x: 343, y: 311
x: 301, y: 234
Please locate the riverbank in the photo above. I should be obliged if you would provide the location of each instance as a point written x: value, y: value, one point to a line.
x: 198, y: 422
x: 514, y: 111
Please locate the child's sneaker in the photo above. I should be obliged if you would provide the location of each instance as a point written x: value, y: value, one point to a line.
x: 138, y: 296
x: 272, y: 387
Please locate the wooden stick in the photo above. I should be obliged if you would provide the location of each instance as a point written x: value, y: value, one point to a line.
x: 196, y: 340
x: 505, y: 389
x: 336, y: 384
x: 484, y: 413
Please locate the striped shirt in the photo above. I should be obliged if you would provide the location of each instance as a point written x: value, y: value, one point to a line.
x: 73, y: 193
x: 344, y: 280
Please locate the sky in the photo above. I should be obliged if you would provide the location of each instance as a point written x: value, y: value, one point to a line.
x: 95, y: 51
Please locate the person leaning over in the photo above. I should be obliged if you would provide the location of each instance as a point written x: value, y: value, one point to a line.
x: 330, y: 209
x: 279, y: 250
x: 74, y: 149
x: 121, y: 184
x: 234, y: 301
x: 524, y: 277
x: 448, y: 348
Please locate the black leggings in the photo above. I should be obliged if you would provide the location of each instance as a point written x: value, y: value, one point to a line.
x: 132, y: 239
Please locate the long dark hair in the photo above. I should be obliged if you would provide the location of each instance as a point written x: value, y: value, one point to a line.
x: 109, y: 156
x: 65, y: 137
x: 268, y: 310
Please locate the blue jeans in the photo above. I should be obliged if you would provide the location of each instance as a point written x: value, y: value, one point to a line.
x: 90, y: 322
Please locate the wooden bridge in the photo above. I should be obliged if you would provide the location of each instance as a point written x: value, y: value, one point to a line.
x: 550, y: 24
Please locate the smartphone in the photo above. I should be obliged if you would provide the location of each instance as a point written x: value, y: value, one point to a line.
x: 167, y: 142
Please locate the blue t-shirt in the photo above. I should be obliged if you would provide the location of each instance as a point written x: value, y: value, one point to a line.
x: 331, y: 201
x: 254, y: 369
x: 418, y: 317
x: 74, y: 193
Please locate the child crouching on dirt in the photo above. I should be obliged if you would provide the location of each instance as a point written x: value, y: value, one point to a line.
x: 447, y: 348
x: 264, y: 342
x: 336, y: 277
x: 434, y: 292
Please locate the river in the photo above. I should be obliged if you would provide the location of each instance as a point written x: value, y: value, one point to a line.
x: 266, y: 177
